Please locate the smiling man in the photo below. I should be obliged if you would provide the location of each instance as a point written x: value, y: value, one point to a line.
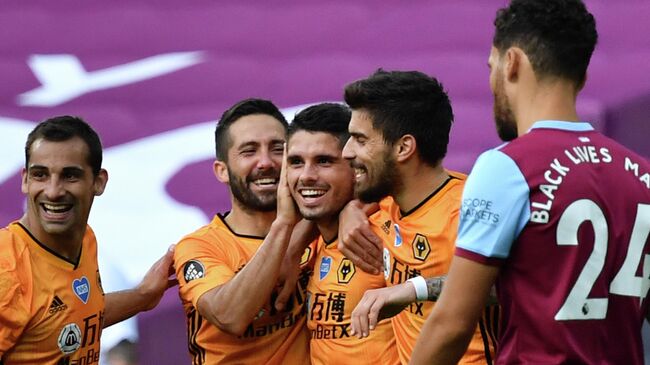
x: 399, y: 133
x: 321, y: 182
x: 228, y: 269
x: 52, y: 305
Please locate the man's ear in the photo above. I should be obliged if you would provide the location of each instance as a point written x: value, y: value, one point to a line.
x: 404, y: 148
x: 221, y: 171
x: 100, y: 182
x: 512, y: 63
x: 23, y: 184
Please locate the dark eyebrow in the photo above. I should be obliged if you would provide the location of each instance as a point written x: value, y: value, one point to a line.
x: 73, y: 170
x: 248, y: 144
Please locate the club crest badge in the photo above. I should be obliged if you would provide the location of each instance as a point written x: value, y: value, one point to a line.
x: 193, y: 269
x: 81, y: 288
x: 325, y: 266
x: 346, y: 271
x: 421, y: 247
x: 398, y: 236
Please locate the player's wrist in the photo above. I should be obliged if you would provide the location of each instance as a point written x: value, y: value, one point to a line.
x: 420, y: 286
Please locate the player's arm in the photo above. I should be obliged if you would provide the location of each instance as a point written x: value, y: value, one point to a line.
x: 382, y: 303
x: 233, y: 305
x: 647, y: 314
x: 449, y: 328
x: 357, y: 241
x: 124, y: 304
x: 304, y: 233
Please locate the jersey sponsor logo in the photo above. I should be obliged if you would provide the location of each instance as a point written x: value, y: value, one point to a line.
x: 81, y: 288
x: 333, y: 332
x: 305, y: 256
x: 325, y: 266
x: 386, y: 263
x: 421, y: 247
x: 398, y: 236
x: 57, y: 305
x: 346, y: 271
x: 194, y: 269
x: 70, y: 338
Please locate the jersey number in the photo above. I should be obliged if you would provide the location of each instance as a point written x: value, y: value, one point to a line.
x: 577, y: 305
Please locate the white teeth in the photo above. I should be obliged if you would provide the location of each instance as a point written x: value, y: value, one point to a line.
x: 56, y: 208
x: 312, y: 193
x: 265, y: 181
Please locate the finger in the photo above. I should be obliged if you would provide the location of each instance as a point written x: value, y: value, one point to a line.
x: 366, y: 255
x: 373, y: 314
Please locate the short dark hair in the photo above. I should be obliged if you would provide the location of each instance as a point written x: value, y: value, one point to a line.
x: 406, y: 102
x: 243, y: 108
x: 63, y: 128
x: 558, y: 36
x: 330, y: 118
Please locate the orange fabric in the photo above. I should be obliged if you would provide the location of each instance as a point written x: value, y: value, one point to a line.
x: 212, y: 256
x: 335, y: 289
x: 424, y: 247
x: 42, y: 319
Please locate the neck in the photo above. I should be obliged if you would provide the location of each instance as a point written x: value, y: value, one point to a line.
x: 419, y: 180
x: 328, y: 227
x: 551, y: 100
x: 65, y: 245
x: 250, y: 222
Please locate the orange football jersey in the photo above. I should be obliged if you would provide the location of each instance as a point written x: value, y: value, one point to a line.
x: 210, y: 257
x: 51, y: 309
x: 334, y: 290
x: 421, y: 242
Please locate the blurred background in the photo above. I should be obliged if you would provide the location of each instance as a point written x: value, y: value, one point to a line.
x: 153, y: 76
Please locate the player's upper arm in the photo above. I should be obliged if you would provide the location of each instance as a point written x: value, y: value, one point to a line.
x: 495, y: 206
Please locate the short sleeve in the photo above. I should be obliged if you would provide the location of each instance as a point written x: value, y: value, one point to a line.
x: 494, y: 210
x: 201, y: 266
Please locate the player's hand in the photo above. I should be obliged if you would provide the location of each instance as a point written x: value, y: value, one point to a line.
x: 159, y: 278
x: 357, y: 241
x: 287, y: 210
x: 378, y: 304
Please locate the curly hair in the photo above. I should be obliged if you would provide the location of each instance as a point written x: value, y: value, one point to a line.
x: 558, y: 36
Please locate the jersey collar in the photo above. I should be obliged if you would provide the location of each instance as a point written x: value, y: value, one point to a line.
x: 564, y: 125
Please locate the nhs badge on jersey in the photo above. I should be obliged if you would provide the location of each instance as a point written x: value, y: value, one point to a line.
x: 81, y: 288
x: 386, y: 263
x: 325, y: 266
x: 398, y: 236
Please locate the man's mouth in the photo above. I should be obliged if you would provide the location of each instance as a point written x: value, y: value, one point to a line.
x: 56, y: 211
x: 265, y: 182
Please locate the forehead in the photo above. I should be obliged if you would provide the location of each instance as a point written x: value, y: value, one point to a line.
x: 73, y: 152
x: 306, y: 144
x: 361, y: 123
x: 257, y: 128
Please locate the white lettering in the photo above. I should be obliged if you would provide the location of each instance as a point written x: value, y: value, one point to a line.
x: 607, y: 158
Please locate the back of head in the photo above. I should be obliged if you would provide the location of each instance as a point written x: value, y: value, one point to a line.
x: 406, y: 102
x: 64, y: 128
x: 558, y: 36
x: 241, y: 109
x: 326, y: 117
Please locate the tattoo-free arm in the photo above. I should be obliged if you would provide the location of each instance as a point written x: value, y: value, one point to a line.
x: 449, y: 328
x: 357, y: 241
x: 124, y: 304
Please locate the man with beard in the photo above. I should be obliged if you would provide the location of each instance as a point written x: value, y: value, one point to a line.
x: 321, y: 183
x: 228, y: 269
x: 558, y: 217
x: 52, y: 305
x: 399, y: 134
